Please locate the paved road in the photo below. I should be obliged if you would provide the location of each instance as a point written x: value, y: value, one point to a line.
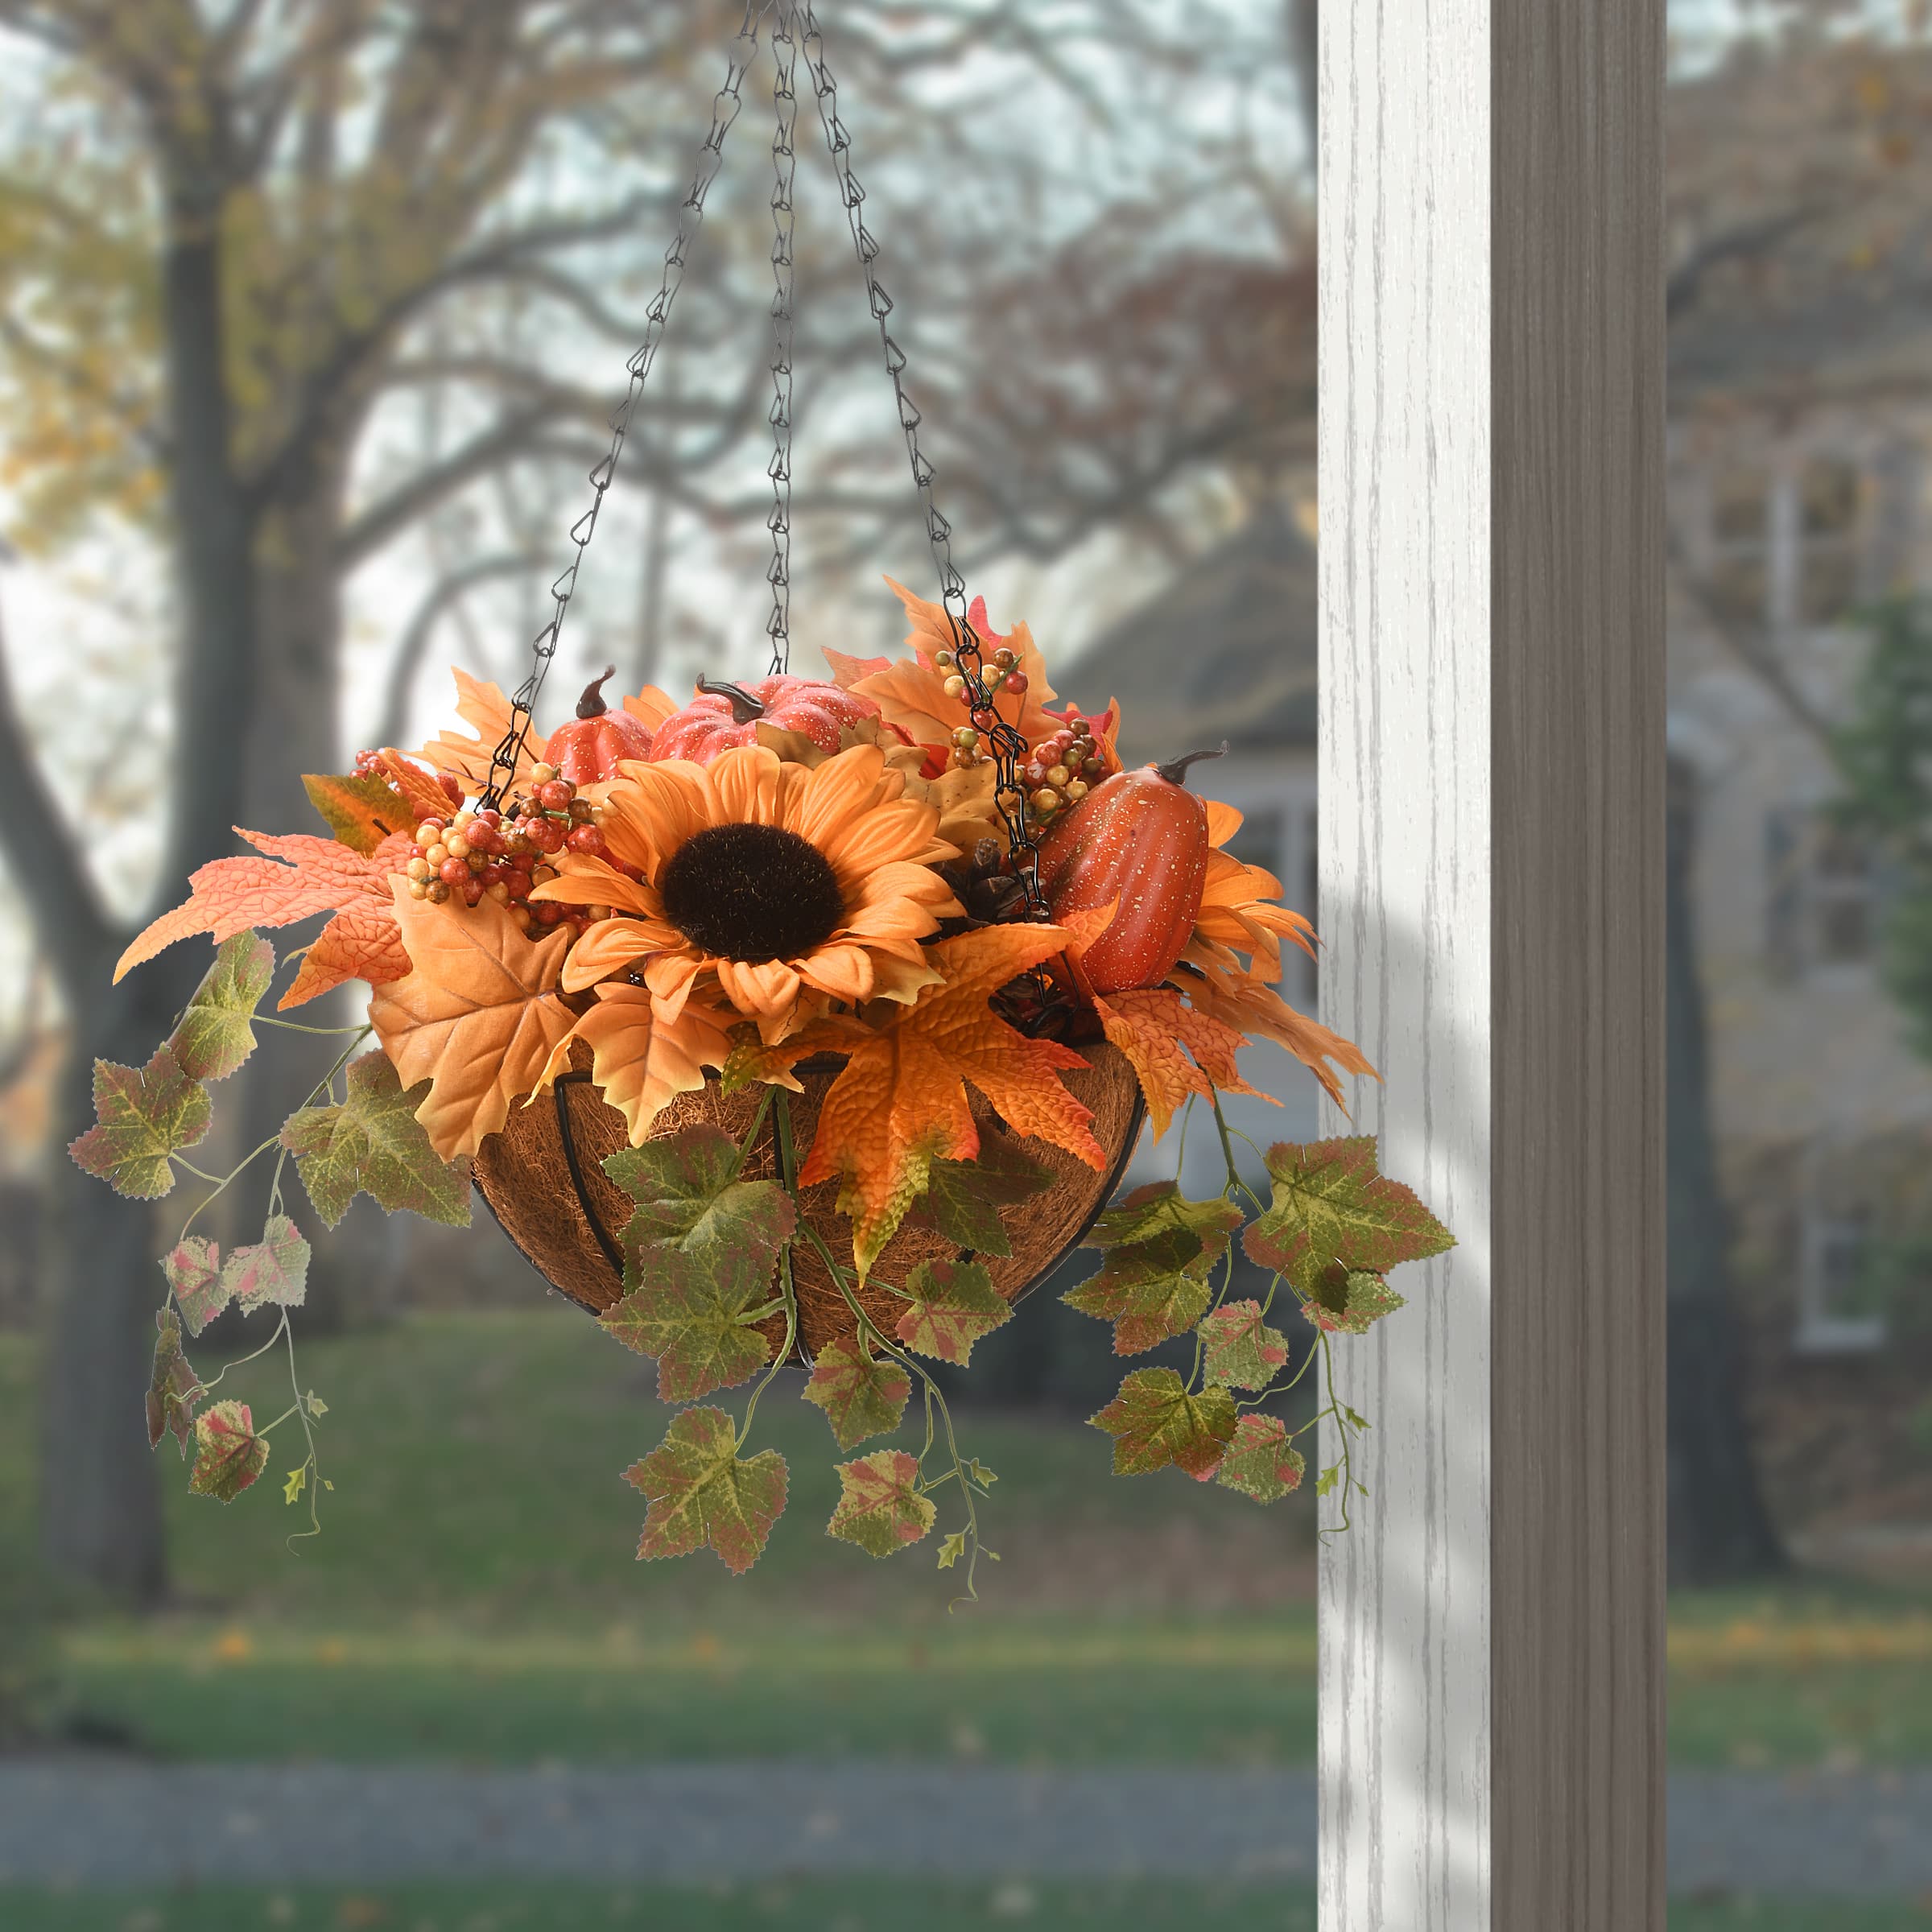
x: 76, y: 1821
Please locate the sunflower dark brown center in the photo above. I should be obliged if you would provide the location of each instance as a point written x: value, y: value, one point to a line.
x: 752, y: 893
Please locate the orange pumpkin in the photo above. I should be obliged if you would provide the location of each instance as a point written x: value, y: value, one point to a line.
x: 586, y: 750
x: 724, y: 715
x: 1138, y: 839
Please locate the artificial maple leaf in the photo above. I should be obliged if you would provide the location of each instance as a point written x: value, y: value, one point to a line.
x: 1260, y: 1462
x: 360, y: 943
x: 174, y: 1387
x: 702, y: 1492
x: 300, y: 876
x: 860, y: 1397
x: 272, y: 1270
x: 1353, y: 1304
x: 640, y: 1060
x: 900, y: 1101
x: 913, y: 696
x: 1332, y: 1211
x: 217, y: 1034
x: 751, y: 1062
x: 1222, y: 989
x: 1151, y: 1290
x: 483, y: 706
x: 880, y: 1507
x: 954, y: 1303
x: 1239, y: 1350
x: 1151, y: 1026
x: 963, y: 1199
x: 228, y: 1454
x: 695, y: 1313
x: 373, y: 1143
x: 361, y: 810
x: 1238, y: 910
x: 193, y: 1268
x: 1155, y: 1421
x: 479, y: 1015
x: 689, y: 1196
x: 144, y: 1114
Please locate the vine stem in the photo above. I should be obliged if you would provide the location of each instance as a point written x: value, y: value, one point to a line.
x: 787, y: 1291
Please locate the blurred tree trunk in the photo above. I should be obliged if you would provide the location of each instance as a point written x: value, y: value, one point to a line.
x: 1720, y: 1530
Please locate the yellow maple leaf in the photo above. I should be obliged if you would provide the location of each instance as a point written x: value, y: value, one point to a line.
x: 642, y: 1062
x: 478, y: 1016
x: 900, y: 1102
x: 1223, y: 988
x: 483, y: 706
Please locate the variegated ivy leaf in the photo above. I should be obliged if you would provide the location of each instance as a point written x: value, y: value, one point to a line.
x: 860, y: 1397
x: 1158, y: 1207
x: 880, y: 1507
x: 1332, y: 1211
x: 1151, y: 1289
x: 1155, y: 1421
x: 688, y: 1197
x: 954, y: 1303
x: 145, y: 1114
x: 1239, y: 1350
x: 217, y: 1033
x: 701, y: 1493
x: 372, y: 1144
x: 193, y: 1268
x: 362, y: 810
x: 228, y: 1454
x: 693, y: 1311
x: 1260, y: 1462
x: 1352, y: 1305
x: 273, y: 1269
x: 952, y: 1549
x: 963, y: 1199
x: 174, y: 1389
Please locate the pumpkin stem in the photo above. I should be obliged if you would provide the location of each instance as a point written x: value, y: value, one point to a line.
x: 592, y: 705
x: 1175, y: 771
x: 744, y: 706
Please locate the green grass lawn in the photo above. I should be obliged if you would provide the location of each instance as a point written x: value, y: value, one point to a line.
x: 824, y: 1905
x: 475, y: 1596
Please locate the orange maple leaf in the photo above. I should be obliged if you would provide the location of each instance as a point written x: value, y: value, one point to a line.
x: 483, y: 708
x: 900, y: 1102
x: 301, y: 876
x: 1225, y: 991
x: 355, y: 944
x: 1152, y: 1026
x: 479, y: 1016
x: 642, y: 1061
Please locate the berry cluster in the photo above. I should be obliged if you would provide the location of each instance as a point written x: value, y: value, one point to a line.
x: 1059, y: 771
x: 370, y: 763
x: 481, y: 852
x: 967, y: 750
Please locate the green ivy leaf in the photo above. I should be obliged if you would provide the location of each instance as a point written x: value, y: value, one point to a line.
x: 860, y: 1397
x: 687, y: 1197
x: 693, y: 1312
x: 880, y: 1507
x: 1159, y: 1206
x: 979, y: 1473
x: 1332, y: 1211
x: 1240, y: 1352
x: 374, y: 1144
x: 702, y: 1492
x: 954, y: 1303
x: 193, y: 1268
x: 174, y: 1387
x: 1353, y: 1304
x: 1155, y: 1421
x: 291, y: 1489
x: 952, y: 1549
x: 228, y: 1454
x: 1260, y: 1462
x: 217, y: 1034
x: 1328, y: 1480
x: 1151, y: 1289
x: 963, y: 1199
x: 144, y: 1114
x: 272, y: 1270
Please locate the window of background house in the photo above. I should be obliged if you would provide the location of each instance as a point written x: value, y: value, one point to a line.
x: 1832, y: 1318
x: 1740, y: 539
x: 1822, y: 900
x: 1828, y: 523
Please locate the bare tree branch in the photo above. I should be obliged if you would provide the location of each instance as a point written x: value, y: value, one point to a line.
x: 441, y: 599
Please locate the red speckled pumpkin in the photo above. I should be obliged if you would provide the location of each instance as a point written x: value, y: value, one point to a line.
x: 1139, y: 838
x: 587, y: 749
x: 724, y: 715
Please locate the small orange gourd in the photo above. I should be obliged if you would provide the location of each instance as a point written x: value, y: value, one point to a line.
x: 586, y: 750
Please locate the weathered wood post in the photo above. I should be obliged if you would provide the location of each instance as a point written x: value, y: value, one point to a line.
x: 1493, y: 831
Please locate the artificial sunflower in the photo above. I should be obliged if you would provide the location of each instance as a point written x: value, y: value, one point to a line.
x: 788, y: 886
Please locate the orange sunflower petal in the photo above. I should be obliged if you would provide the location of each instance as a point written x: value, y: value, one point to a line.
x: 606, y: 947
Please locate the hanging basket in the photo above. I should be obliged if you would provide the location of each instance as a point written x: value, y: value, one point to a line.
x: 543, y: 1177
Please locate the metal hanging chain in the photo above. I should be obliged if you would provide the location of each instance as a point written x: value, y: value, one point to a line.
x: 1009, y: 746
x: 691, y: 216
x: 784, y: 163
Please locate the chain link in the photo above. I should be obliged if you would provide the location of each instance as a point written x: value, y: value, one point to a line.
x: 691, y: 216
x: 784, y: 164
